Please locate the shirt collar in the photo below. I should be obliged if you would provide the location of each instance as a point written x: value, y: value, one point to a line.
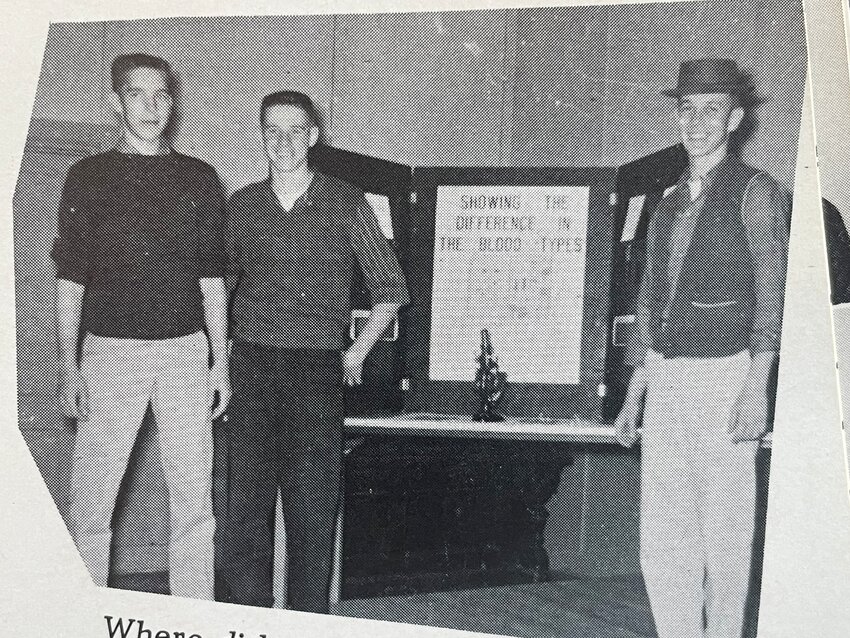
x: 709, y: 176
x: 683, y: 186
x: 308, y: 197
x: 124, y: 149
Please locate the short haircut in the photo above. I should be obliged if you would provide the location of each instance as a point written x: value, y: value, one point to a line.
x: 124, y: 64
x: 291, y: 98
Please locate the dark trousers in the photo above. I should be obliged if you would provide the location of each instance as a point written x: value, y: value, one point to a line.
x: 284, y: 430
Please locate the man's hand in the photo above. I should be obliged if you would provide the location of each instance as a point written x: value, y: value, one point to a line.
x: 219, y: 383
x: 381, y: 317
x: 625, y: 426
x: 748, y: 420
x: 74, y: 394
x: 352, y: 366
x: 215, y: 315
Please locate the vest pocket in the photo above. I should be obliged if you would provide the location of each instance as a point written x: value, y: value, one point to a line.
x: 715, y: 328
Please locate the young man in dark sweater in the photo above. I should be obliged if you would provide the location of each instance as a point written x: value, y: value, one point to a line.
x: 709, y: 315
x: 140, y: 263
x: 293, y: 240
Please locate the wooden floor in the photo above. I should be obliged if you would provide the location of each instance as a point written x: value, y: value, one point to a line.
x: 563, y: 608
x: 603, y: 608
x: 606, y: 608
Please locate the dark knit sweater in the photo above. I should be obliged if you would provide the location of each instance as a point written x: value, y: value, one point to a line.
x: 139, y: 232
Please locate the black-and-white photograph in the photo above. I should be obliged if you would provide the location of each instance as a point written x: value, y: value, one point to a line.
x: 465, y: 319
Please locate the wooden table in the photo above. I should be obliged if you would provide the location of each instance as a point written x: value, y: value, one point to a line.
x: 431, y: 424
x: 576, y: 431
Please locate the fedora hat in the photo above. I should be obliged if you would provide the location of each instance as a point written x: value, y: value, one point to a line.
x: 710, y: 75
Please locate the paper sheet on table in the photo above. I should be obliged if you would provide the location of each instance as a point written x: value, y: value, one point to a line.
x: 510, y: 259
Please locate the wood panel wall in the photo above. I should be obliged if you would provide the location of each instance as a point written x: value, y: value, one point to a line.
x: 589, y: 79
x: 577, y: 86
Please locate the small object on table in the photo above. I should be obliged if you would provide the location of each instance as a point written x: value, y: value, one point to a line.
x: 490, y: 382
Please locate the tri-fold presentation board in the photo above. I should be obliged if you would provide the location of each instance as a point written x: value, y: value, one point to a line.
x: 548, y: 260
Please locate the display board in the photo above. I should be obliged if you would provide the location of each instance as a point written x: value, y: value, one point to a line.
x: 510, y: 259
x: 526, y: 254
x: 640, y: 186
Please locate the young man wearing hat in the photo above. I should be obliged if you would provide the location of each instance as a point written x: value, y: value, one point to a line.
x: 293, y: 241
x: 140, y: 263
x: 709, y: 315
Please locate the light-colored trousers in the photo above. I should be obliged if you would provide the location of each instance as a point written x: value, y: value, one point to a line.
x: 697, y: 498
x: 123, y: 376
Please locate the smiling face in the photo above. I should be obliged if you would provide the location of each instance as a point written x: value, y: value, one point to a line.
x: 288, y: 135
x: 143, y: 104
x: 706, y: 121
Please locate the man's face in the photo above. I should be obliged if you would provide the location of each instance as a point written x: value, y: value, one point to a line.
x: 144, y: 104
x: 706, y: 121
x: 288, y: 135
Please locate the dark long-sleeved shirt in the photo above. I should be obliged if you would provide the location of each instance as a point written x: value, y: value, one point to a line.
x: 764, y: 213
x: 138, y: 232
x: 290, y: 271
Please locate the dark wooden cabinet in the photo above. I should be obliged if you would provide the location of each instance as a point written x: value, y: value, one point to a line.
x: 432, y: 513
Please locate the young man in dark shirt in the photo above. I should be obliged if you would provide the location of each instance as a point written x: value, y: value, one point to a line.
x: 140, y: 263
x: 292, y: 242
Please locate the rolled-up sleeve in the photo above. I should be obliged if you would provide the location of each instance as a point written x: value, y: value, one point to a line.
x: 765, y: 213
x: 72, y: 246
x: 212, y: 254
x: 233, y: 216
x: 377, y: 260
